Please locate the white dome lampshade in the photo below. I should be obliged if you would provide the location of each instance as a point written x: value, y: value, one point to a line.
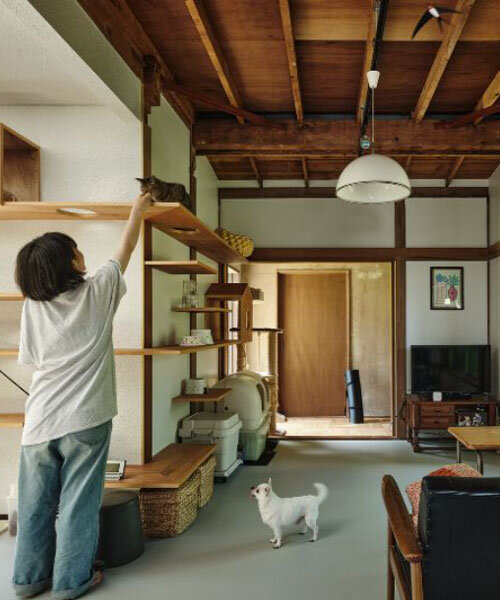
x: 373, y: 179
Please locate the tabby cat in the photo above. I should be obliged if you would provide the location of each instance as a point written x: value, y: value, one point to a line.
x: 161, y: 191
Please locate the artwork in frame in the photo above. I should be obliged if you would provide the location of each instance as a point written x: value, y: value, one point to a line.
x: 447, y: 288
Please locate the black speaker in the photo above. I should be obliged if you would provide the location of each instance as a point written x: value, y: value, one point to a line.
x: 354, y: 396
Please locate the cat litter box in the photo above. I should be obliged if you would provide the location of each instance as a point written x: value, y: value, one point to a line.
x: 215, y: 428
x: 250, y: 400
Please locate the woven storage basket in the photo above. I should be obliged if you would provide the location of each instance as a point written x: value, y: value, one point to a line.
x: 167, y: 513
x: 238, y: 242
x: 207, y: 474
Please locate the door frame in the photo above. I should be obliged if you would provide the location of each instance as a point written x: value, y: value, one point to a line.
x: 396, y: 284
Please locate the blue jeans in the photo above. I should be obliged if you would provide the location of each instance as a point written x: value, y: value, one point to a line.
x: 65, y: 477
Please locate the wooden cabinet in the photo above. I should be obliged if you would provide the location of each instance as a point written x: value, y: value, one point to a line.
x: 423, y: 414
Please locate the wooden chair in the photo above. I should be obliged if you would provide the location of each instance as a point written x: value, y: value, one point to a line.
x: 402, y: 545
x: 456, y: 553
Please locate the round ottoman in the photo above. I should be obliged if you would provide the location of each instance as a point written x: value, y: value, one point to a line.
x: 120, y: 540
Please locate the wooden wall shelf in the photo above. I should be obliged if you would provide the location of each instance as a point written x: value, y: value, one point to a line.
x: 118, y: 352
x: 181, y: 267
x: 11, y: 420
x: 169, y: 217
x: 213, y: 395
x: 19, y: 166
x: 169, y: 469
x: 201, y: 309
x: 177, y: 350
x: 11, y: 298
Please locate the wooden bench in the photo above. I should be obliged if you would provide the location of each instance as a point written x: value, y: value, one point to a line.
x: 170, y: 468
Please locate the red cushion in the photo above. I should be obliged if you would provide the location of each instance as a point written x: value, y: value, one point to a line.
x: 413, y: 489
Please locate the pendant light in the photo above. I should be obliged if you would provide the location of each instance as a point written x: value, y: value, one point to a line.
x: 373, y: 178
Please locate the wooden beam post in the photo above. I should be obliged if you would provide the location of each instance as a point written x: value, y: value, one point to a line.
x: 286, y: 22
x: 451, y: 37
x: 490, y: 96
x: 399, y: 343
x: 305, y: 172
x: 255, y: 169
x: 367, y: 61
x: 211, y: 45
x: 193, y: 364
x: 454, y: 169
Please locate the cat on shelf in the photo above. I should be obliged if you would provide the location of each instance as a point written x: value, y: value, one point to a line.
x: 8, y: 197
x: 162, y: 191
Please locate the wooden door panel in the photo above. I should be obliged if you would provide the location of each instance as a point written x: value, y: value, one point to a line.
x: 314, y: 313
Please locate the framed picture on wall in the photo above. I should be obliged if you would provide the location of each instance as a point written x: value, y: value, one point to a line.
x: 447, y: 288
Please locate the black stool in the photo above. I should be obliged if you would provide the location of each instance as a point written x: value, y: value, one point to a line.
x: 121, y: 540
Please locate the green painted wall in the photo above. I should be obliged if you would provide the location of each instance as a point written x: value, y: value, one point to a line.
x: 73, y: 24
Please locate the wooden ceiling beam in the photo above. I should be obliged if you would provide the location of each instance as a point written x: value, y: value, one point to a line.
x: 341, y: 137
x: 238, y: 155
x: 212, y: 47
x: 490, y: 96
x: 119, y: 25
x: 367, y: 61
x: 286, y: 22
x: 256, y: 171
x: 328, y: 192
x: 454, y: 169
x: 451, y: 36
x: 305, y: 172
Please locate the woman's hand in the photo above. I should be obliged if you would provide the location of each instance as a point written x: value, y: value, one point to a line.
x: 143, y: 202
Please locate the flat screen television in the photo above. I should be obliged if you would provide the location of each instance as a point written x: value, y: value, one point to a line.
x: 461, y: 370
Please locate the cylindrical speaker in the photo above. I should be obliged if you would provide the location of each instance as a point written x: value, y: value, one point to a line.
x: 354, y: 397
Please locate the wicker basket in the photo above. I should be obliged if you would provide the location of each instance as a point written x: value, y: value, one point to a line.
x: 242, y: 244
x: 206, y: 472
x: 167, y: 513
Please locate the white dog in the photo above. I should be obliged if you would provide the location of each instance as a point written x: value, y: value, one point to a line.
x: 282, y: 512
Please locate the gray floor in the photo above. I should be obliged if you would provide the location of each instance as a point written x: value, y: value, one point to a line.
x: 226, y: 553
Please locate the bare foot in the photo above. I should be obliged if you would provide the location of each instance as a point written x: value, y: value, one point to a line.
x: 98, y: 577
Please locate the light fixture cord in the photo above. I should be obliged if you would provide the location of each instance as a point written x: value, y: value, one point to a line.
x: 373, y: 121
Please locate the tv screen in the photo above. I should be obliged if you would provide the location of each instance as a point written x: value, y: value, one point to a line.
x: 450, y: 369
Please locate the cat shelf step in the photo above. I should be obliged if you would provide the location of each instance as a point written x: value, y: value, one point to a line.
x: 169, y: 217
x: 181, y: 267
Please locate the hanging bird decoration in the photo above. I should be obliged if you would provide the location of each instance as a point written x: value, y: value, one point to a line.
x: 433, y: 12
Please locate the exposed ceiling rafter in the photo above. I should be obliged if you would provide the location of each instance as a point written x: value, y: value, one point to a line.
x: 286, y: 21
x: 454, y: 169
x: 305, y: 172
x: 256, y: 171
x: 451, y: 37
x: 211, y: 45
x: 490, y: 96
x: 367, y: 59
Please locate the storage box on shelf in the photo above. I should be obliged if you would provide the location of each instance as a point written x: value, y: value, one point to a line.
x: 19, y: 167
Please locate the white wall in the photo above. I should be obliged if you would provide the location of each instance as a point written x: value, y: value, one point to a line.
x: 310, y: 223
x: 170, y: 161
x: 89, y: 153
x: 494, y: 190
x: 446, y: 222
x: 426, y: 326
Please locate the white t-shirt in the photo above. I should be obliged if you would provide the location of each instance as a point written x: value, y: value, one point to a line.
x: 69, y: 342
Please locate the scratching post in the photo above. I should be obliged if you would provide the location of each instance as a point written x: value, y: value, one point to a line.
x: 272, y: 378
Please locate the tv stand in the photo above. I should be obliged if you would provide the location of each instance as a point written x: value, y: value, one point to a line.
x: 423, y: 414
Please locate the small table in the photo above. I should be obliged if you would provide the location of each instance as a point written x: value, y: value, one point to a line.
x: 477, y: 439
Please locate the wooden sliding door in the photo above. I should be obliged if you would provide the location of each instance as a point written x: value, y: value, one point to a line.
x: 313, y: 310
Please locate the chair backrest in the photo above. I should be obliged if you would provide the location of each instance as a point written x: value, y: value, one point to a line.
x: 459, y: 530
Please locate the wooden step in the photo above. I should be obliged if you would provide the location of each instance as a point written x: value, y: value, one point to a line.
x: 181, y: 267
x: 170, y: 469
x: 212, y: 395
x: 201, y: 309
x: 11, y: 420
x: 11, y: 297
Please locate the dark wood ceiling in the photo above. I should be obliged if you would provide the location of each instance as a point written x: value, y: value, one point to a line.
x: 330, y: 39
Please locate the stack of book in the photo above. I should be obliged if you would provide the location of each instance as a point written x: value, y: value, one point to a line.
x: 115, y: 470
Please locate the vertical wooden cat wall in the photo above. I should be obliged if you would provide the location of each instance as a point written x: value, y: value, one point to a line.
x: 220, y: 293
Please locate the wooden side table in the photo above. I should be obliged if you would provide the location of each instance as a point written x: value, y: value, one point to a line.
x: 476, y: 439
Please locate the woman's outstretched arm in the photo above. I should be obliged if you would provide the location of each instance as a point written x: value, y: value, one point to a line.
x: 132, y: 229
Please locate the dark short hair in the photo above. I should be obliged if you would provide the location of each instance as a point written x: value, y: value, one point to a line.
x: 44, y: 267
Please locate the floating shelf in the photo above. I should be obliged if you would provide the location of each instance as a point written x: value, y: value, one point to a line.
x: 118, y: 351
x: 175, y: 350
x: 181, y: 267
x: 201, y: 309
x: 11, y: 298
x: 213, y: 395
x: 11, y: 420
x: 169, y: 469
x: 169, y: 217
